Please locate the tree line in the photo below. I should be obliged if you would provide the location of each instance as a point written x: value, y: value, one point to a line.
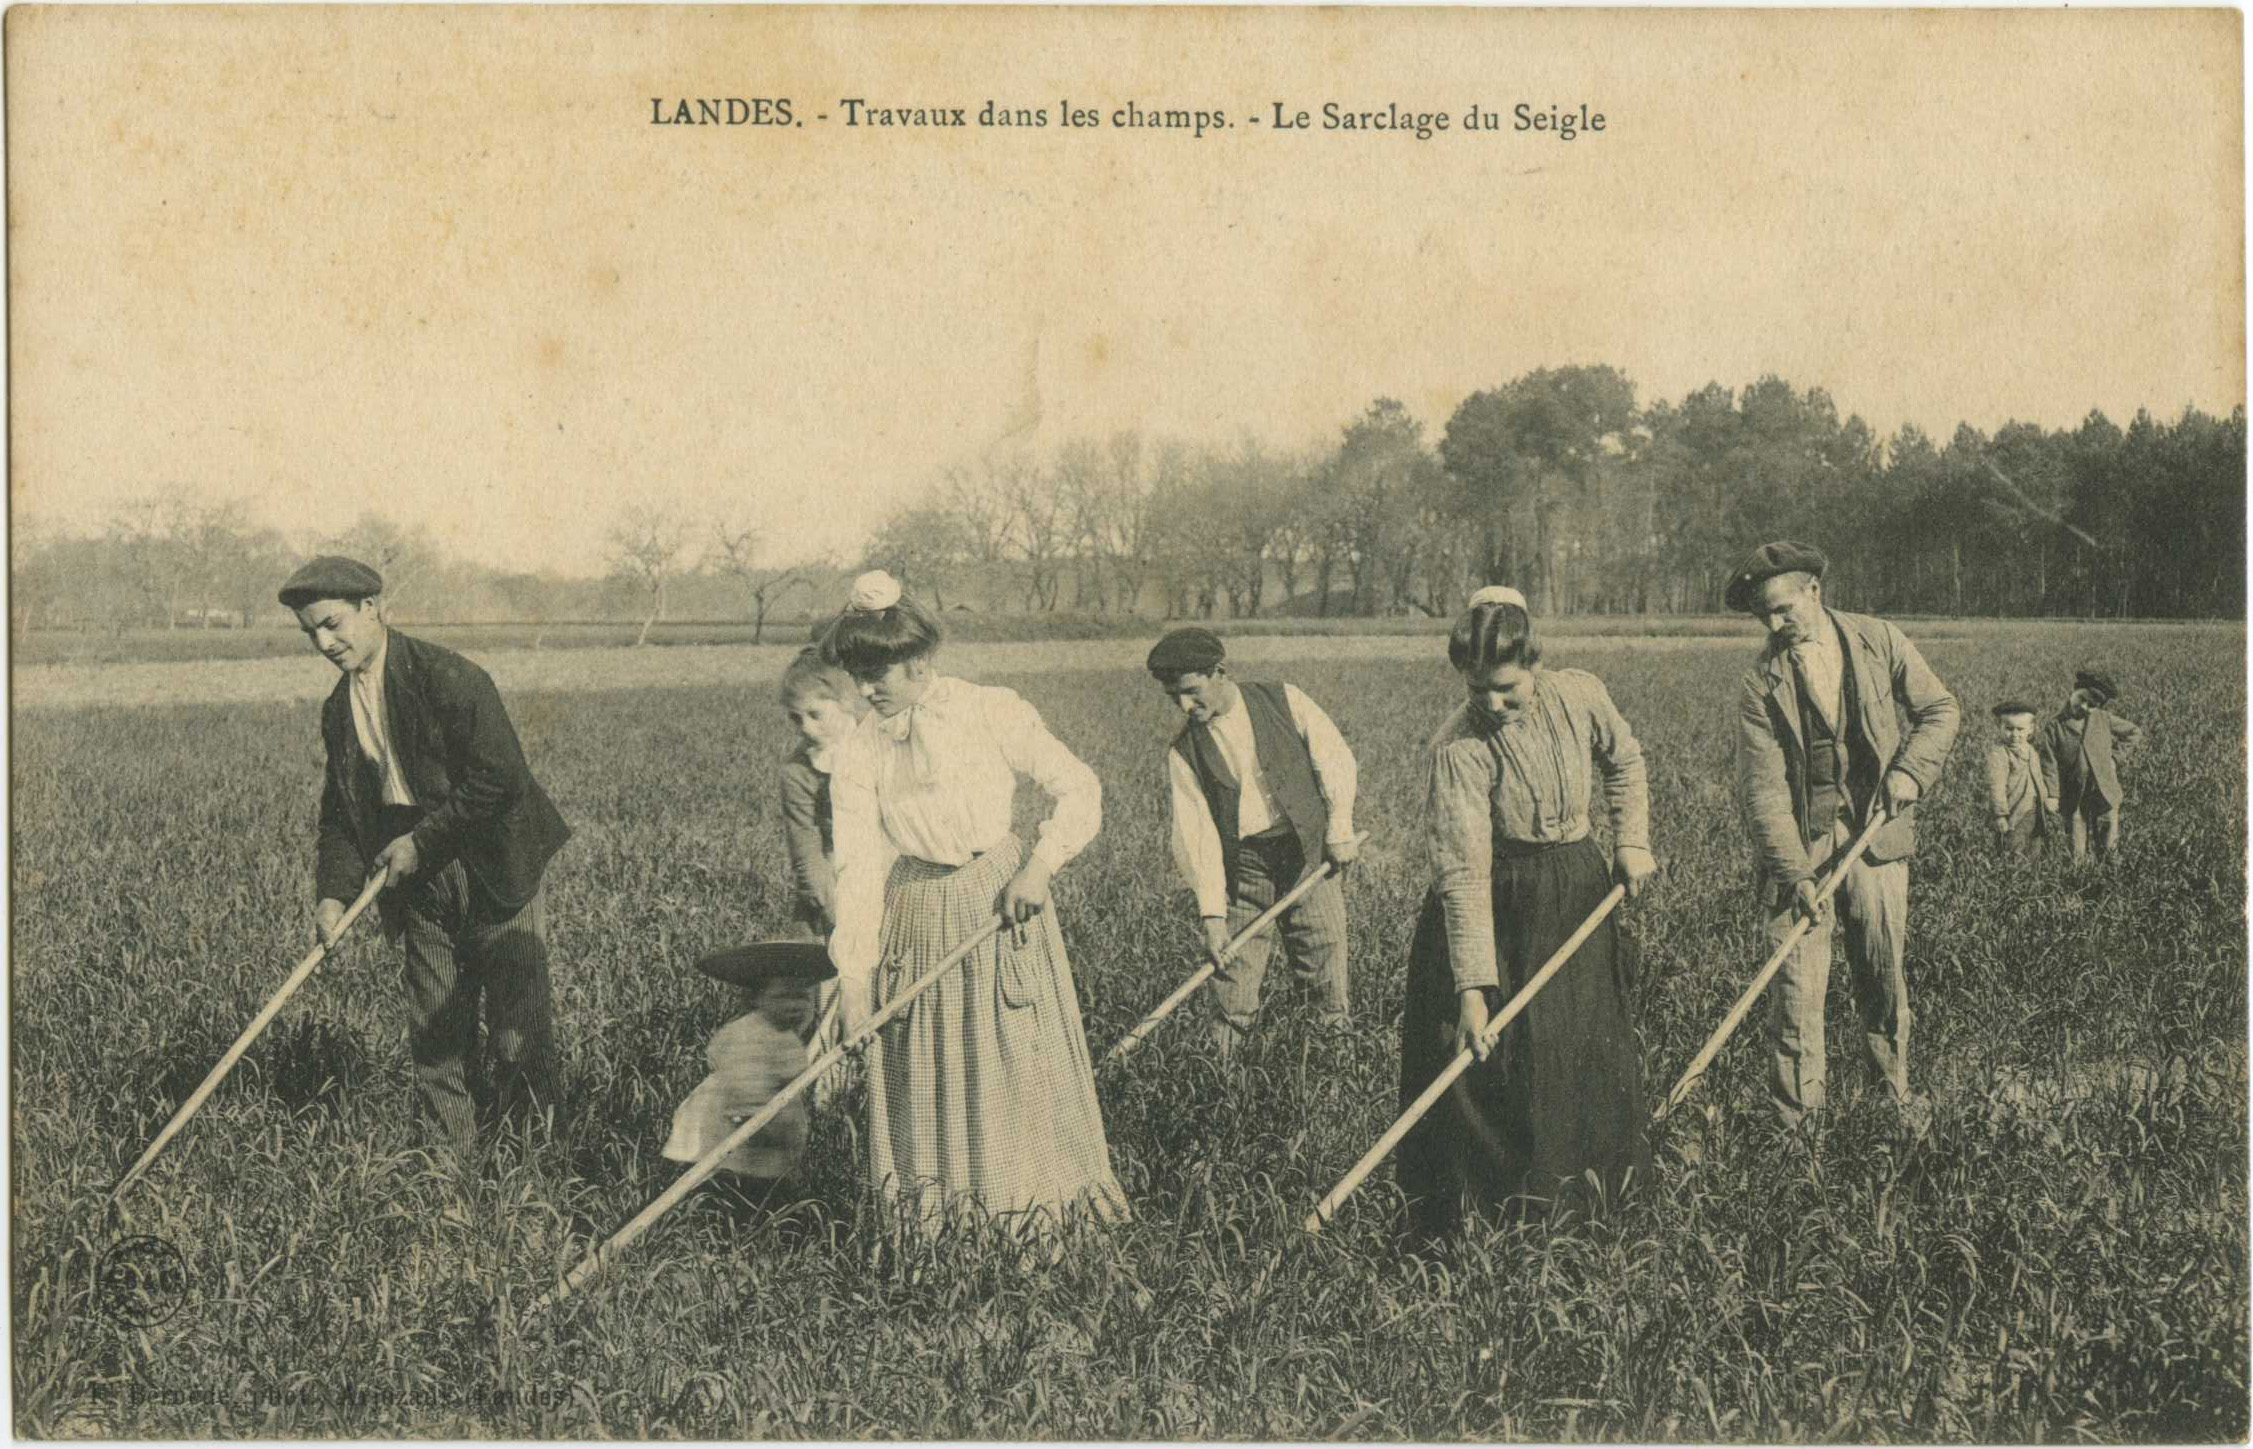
x: 1558, y: 482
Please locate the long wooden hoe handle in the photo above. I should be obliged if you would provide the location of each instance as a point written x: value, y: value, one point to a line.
x: 752, y: 1125
x: 258, y: 1023
x: 1463, y: 1059
x: 1133, y: 1039
x: 1767, y: 973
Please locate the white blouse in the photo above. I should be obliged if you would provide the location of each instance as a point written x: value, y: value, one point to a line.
x: 938, y: 781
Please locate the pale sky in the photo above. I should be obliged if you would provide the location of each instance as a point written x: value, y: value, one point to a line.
x: 440, y: 263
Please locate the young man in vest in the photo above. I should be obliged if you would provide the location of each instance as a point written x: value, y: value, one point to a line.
x: 426, y: 778
x: 1262, y: 791
x: 1840, y: 719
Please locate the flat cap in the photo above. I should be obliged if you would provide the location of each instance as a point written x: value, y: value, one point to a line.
x: 767, y: 961
x: 1767, y: 561
x: 331, y: 576
x: 1187, y: 651
x: 2098, y: 684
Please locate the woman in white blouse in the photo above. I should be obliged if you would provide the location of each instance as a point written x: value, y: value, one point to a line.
x: 981, y: 1095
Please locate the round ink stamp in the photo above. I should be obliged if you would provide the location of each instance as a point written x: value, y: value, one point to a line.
x: 141, y: 1282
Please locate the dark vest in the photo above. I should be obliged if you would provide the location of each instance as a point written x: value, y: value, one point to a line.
x: 1283, y: 762
x: 1840, y: 762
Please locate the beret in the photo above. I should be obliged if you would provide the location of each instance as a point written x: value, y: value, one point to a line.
x: 1767, y: 561
x: 2101, y: 684
x: 331, y: 576
x: 769, y: 961
x: 1187, y: 651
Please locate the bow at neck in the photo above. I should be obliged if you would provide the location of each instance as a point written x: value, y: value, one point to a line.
x: 912, y: 727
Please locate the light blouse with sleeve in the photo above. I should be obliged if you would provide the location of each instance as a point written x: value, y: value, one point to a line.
x: 1524, y: 781
x: 938, y: 781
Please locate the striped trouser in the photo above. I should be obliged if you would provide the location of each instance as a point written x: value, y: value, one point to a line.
x: 1874, y: 905
x: 1313, y: 934
x: 457, y: 953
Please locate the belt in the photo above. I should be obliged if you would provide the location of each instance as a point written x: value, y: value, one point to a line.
x: 975, y: 855
x: 1508, y: 849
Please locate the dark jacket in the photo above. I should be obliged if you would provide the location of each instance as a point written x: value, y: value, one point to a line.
x: 1891, y: 684
x: 809, y: 829
x: 2078, y: 762
x: 465, y: 767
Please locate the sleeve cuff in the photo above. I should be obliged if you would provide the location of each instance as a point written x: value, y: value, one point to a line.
x: 1472, y: 980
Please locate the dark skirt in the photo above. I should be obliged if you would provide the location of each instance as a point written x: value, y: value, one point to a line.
x: 1562, y: 1093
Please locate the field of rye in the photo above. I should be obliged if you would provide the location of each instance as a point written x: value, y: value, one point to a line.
x: 2062, y: 1255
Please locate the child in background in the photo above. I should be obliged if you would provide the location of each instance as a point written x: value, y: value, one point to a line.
x: 2014, y: 781
x: 824, y: 705
x: 2079, y: 781
x: 755, y: 1056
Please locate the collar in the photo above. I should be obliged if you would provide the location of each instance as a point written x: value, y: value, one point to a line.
x: 372, y: 676
x: 935, y: 697
x: 1776, y: 656
x: 1486, y: 721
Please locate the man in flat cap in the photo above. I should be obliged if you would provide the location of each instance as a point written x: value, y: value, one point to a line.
x: 1262, y: 788
x: 2079, y: 781
x: 1839, y: 718
x: 426, y: 779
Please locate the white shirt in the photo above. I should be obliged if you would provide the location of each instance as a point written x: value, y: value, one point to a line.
x: 938, y: 781
x: 1197, y: 847
x: 1821, y: 668
x: 372, y: 723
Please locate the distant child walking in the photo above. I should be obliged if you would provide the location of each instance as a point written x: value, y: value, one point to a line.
x: 2014, y: 782
x: 2079, y: 751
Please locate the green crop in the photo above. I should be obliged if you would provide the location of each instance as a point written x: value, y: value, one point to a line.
x: 2063, y: 1255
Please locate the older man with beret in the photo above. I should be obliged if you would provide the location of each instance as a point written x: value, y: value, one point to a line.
x: 1262, y: 788
x: 426, y: 779
x: 1839, y: 718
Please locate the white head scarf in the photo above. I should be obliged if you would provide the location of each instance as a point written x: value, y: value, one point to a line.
x: 1497, y: 594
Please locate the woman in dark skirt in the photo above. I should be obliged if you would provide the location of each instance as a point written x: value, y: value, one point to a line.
x: 1516, y: 872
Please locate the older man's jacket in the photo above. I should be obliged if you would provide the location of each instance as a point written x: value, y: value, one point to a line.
x: 465, y: 767
x: 1906, y: 715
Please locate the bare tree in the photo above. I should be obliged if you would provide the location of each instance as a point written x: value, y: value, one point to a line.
x: 1127, y: 514
x: 1040, y: 528
x: 924, y: 547
x: 734, y: 552
x: 645, y: 549
x: 403, y: 556
x: 1078, y: 482
x: 144, y: 536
